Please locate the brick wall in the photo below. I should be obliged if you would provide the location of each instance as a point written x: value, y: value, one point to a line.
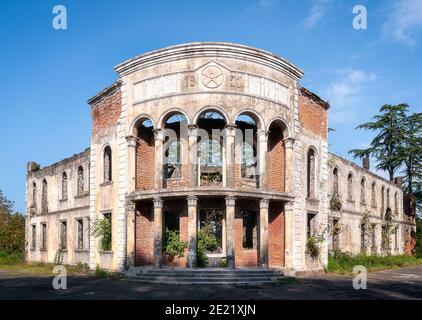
x: 244, y: 257
x: 180, y: 206
x: 145, y: 161
x: 144, y: 246
x: 106, y: 112
x: 276, y: 235
x: 275, y: 160
x: 313, y: 113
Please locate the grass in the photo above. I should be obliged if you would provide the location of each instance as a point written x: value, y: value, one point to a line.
x: 14, y: 263
x: 343, y: 263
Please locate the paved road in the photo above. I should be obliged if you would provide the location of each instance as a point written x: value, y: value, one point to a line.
x: 405, y: 283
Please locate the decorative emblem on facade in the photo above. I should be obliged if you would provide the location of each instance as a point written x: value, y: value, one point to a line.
x: 212, y: 77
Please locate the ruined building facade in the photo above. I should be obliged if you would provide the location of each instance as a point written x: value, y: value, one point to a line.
x: 209, y: 138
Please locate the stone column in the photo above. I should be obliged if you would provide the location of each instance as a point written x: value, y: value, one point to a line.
x: 230, y: 224
x: 289, y: 172
x: 289, y: 235
x: 263, y: 233
x: 130, y: 232
x: 131, y: 163
x: 159, y: 140
x: 230, y: 133
x: 158, y: 231
x: 193, y: 155
x: 262, y: 158
x: 192, y: 228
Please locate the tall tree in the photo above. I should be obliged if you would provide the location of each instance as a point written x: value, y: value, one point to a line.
x: 12, y: 227
x: 389, y: 126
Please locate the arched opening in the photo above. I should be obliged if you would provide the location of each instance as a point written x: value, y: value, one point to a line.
x: 382, y: 201
x: 373, y: 195
x: 34, y: 194
x: 145, y: 155
x: 396, y: 203
x: 388, y: 199
x: 310, y: 174
x: 362, y: 191
x: 64, y: 186
x: 335, y: 181
x: 80, y: 183
x: 350, y: 187
x: 107, y: 164
x: 175, y: 148
x: 276, y: 157
x: 44, y: 199
x: 210, y: 148
x: 246, y: 155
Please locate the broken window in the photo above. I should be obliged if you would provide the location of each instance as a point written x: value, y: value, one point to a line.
x: 80, y: 180
x: 310, y: 228
x: 34, y: 194
x: 335, y: 181
x: 350, y: 187
x: 362, y: 191
x: 373, y: 239
x: 80, y: 233
x: 396, y: 203
x: 43, y: 236
x: 373, y: 195
x: 310, y: 183
x: 107, y: 164
x: 64, y: 186
x: 33, y: 237
x: 175, y: 128
x: 211, y: 124
x: 246, y: 139
x: 388, y: 198
x: 44, y: 200
x: 63, y: 235
x: 250, y: 229
x: 336, y: 235
x: 382, y: 201
x: 362, y: 238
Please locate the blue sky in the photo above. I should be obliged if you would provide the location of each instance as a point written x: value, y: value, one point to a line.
x: 47, y: 75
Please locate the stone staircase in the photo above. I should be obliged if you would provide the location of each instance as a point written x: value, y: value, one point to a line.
x: 208, y: 276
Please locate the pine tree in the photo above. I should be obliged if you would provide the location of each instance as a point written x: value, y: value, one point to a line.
x: 389, y: 125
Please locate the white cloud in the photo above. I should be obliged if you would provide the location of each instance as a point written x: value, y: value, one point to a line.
x: 345, y: 94
x: 316, y: 13
x: 405, y: 20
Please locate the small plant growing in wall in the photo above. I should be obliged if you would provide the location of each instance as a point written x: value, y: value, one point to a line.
x: 101, y: 228
x: 173, y: 246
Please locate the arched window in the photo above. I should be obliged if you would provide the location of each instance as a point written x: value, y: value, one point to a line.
x: 64, y: 186
x: 145, y: 154
x: 34, y: 194
x: 382, y: 200
x: 44, y: 199
x: 335, y: 181
x: 174, y: 160
x: 388, y: 198
x: 350, y: 187
x: 107, y: 164
x: 362, y: 191
x: 310, y: 182
x: 211, y: 125
x: 373, y: 195
x: 246, y: 139
x: 80, y: 180
x: 396, y: 203
x: 175, y: 135
x: 276, y: 156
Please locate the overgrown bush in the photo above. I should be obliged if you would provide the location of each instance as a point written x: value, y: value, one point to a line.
x: 11, y: 258
x: 206, y: 242
x: 173, y: 246
x: 12, y: 228
x: 312, y: 247
x: 101, y: 228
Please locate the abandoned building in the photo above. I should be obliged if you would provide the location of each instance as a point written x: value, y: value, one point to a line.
x: 217, y: 139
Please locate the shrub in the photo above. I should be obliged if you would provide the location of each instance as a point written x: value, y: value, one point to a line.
x: 173, y: 246
x: 11, y: 258
x: 101, y: 228
x: 206, y: 242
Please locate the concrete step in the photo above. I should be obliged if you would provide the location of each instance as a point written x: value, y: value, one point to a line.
x: 204, y: 276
